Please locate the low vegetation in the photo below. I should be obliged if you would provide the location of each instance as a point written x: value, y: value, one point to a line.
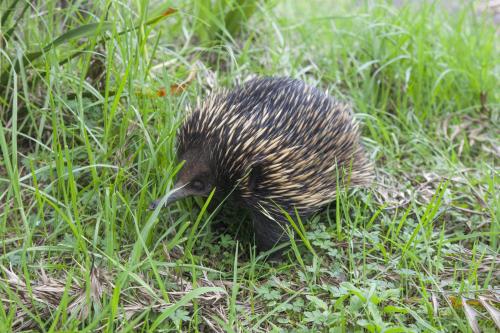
x: 91, y: 95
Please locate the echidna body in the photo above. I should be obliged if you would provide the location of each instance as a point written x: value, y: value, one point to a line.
x: 275, y: 144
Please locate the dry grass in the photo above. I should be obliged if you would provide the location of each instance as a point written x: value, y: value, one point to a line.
x: 87, y: 141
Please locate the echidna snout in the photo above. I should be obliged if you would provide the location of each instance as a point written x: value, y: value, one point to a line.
x: 194, y: 179
x: 277, y: 145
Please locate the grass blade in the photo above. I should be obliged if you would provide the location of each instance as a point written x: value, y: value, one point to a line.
x: 183, y: 301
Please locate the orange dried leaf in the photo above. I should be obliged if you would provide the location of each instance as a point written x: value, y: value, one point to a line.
x: 178, y: 88
x: 174, y: 88
x: 161, y: 92
x: 169, y: 11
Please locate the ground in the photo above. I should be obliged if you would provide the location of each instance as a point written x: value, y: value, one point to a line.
x: 87, y: 139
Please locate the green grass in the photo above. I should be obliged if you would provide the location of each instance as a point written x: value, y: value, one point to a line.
x: 86, y: 144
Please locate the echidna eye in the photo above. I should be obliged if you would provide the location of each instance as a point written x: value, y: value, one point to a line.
x: 197, y: 185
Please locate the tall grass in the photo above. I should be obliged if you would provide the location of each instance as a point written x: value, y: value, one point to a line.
x: 87, y: 141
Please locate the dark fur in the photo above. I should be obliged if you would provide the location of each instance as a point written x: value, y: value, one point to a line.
x: 272, y: 142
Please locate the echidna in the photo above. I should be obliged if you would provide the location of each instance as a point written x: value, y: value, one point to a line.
x: 275, y: 144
